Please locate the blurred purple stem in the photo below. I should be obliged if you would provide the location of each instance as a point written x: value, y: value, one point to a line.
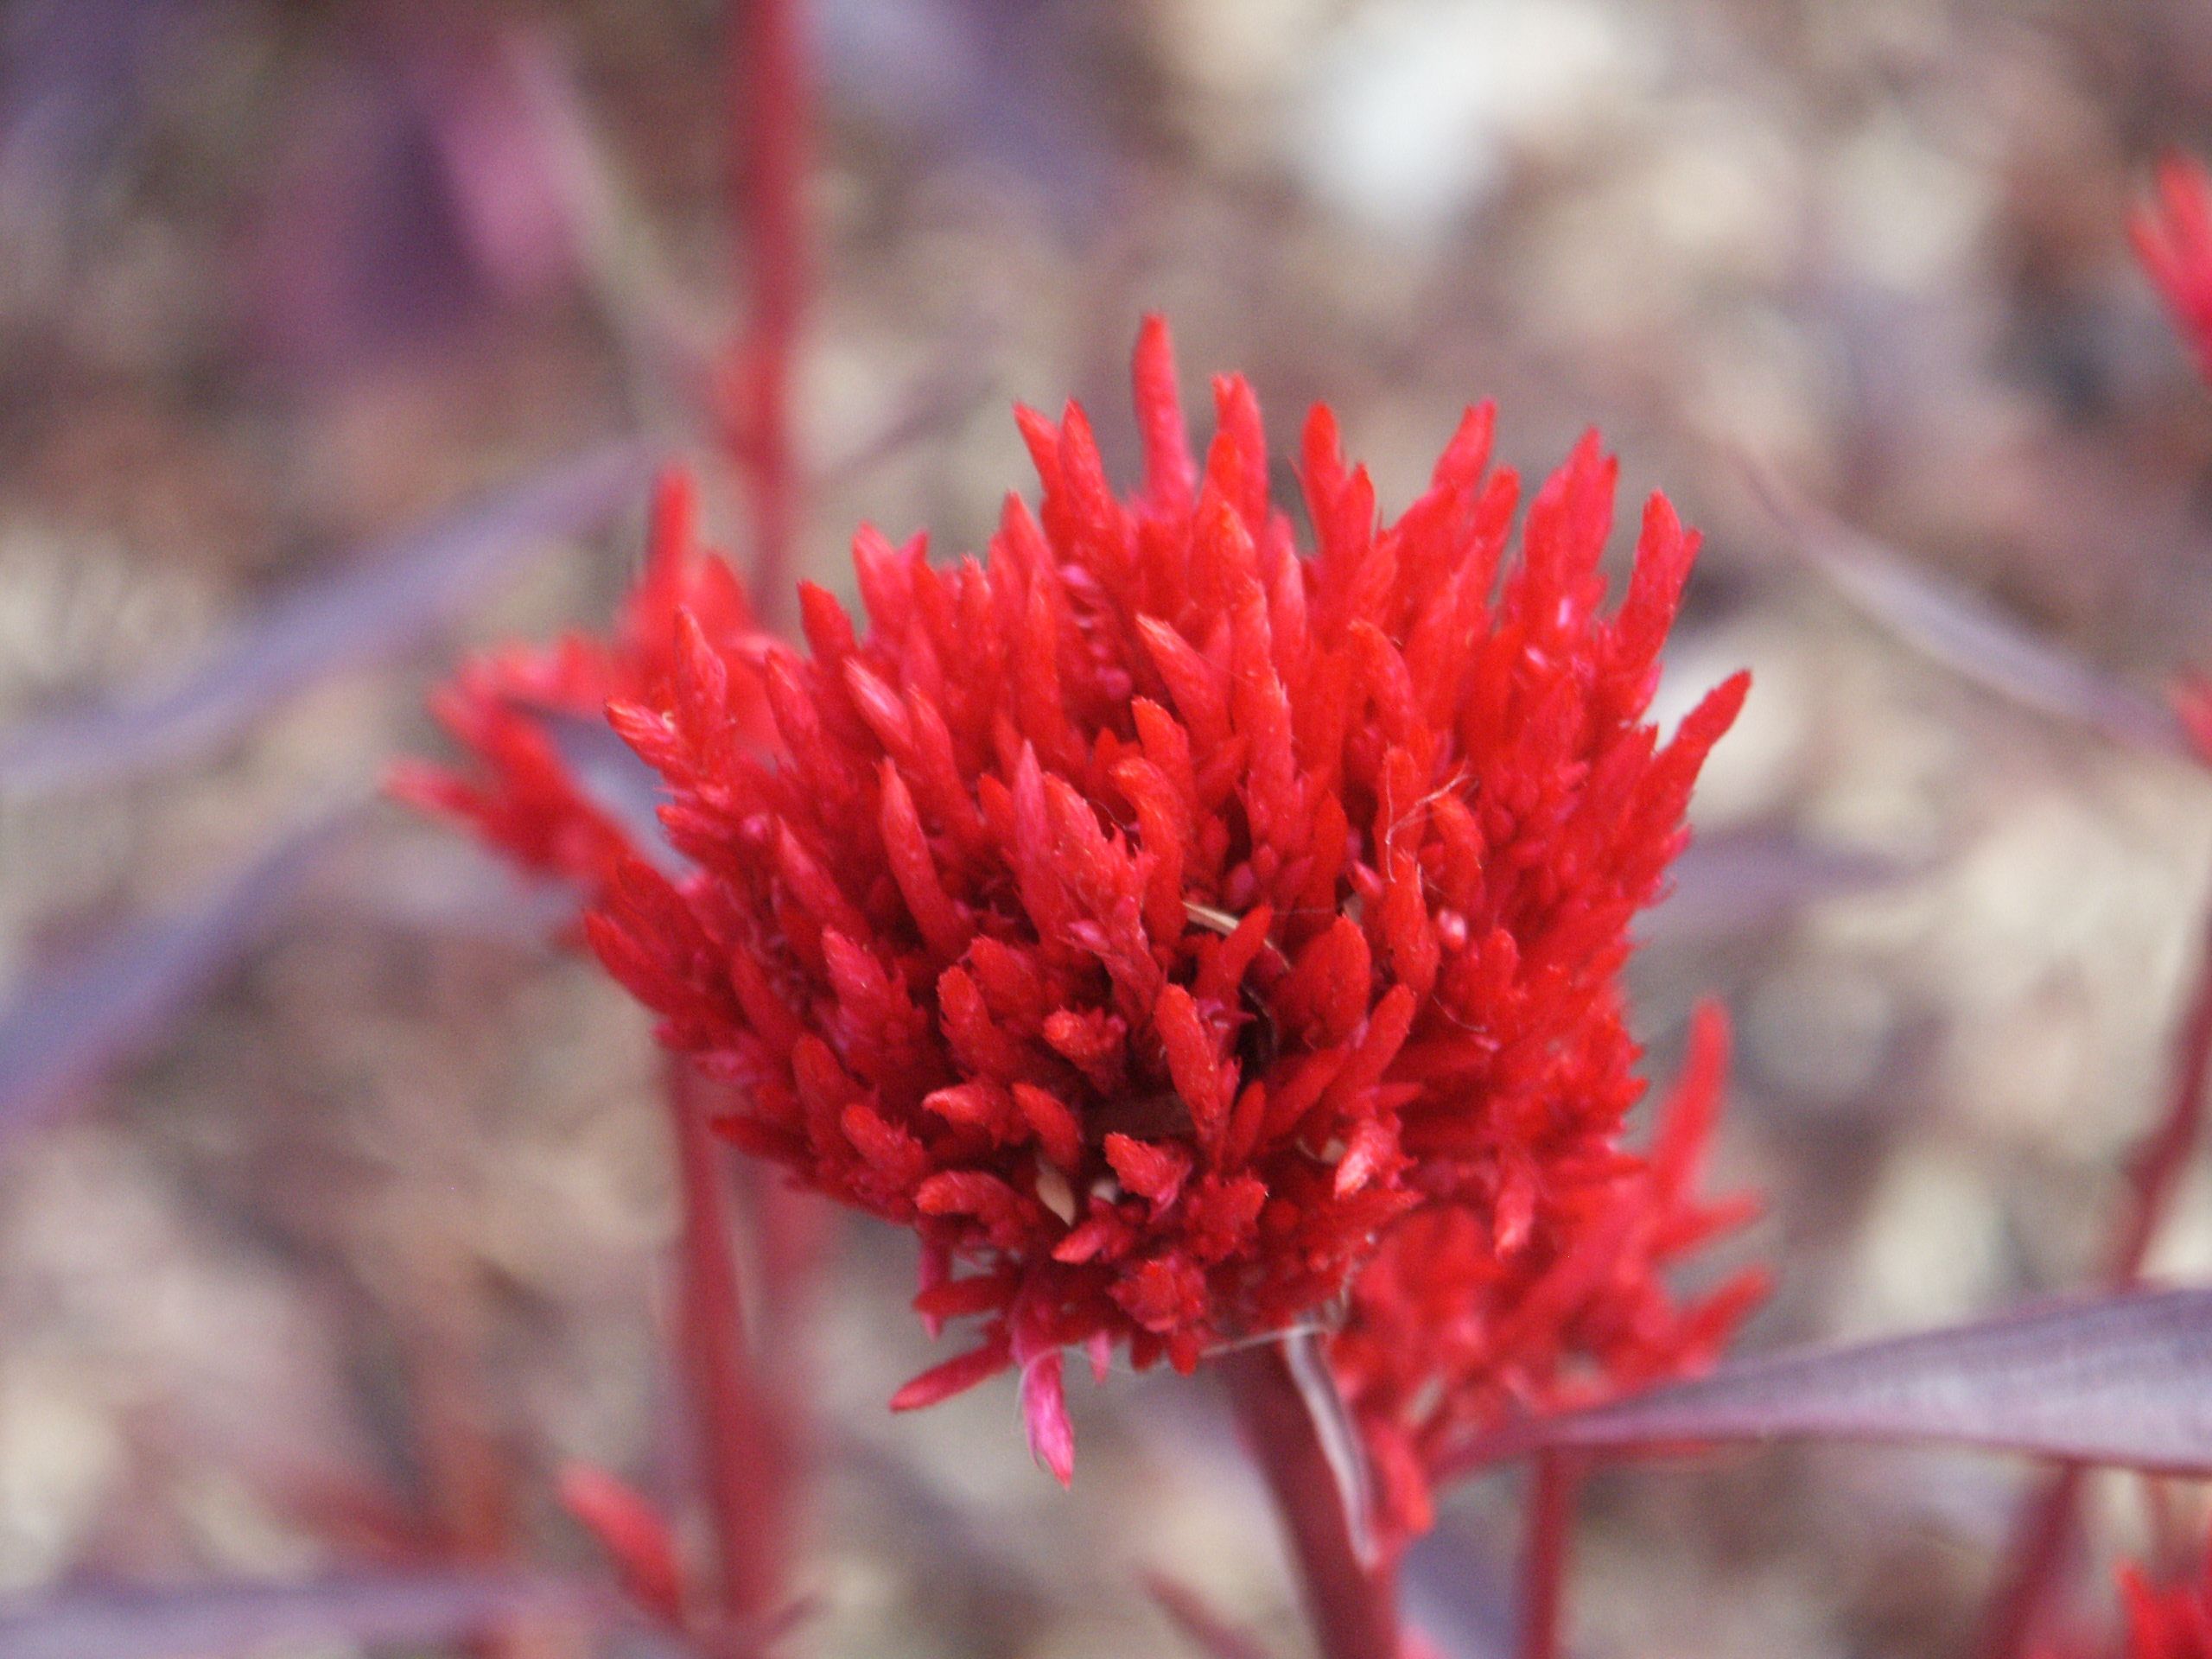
x: 372, y: 607
x: 72, y: 1023
x: 1964, y: 634
x: 428, y: 1608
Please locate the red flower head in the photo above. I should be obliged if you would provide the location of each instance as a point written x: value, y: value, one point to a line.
x: 2173, y: 240
x: 1154, y: 915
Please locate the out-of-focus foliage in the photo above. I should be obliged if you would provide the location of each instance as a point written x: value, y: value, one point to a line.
x: 362, y: 1244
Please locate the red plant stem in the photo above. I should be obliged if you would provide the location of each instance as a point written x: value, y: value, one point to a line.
x: 2163, y: 1160
x: 1543, y: 1563
x: 2042, y: 1536
x: 737, y: 1432
x: 2174, y: 1541
x: 768, y: 132
x: 1300, y: 1434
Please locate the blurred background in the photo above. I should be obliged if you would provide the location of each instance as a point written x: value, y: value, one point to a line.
x: 334, y: 1202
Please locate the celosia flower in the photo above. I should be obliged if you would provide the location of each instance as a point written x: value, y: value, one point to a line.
x: 1154, y: 915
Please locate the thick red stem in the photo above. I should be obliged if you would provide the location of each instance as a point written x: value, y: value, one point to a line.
x: 1308, y: 1452
x: 740, y: 1438
x: 1543, y: 1562
x: 768, y: 94
x: 2042, y: 1536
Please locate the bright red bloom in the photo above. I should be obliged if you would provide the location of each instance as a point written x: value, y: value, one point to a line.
x: 2173, y: 239
x: 1152, y: 915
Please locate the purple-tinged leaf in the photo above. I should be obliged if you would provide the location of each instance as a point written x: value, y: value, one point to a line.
x: 70, y: 1024
x: 1959, y: 631
x: 413, y: 198
x: 376, y: 606
x: 1204, y: 1628
x: 1744, y: 879
x: 217, y: 1620
x: 2124, y: 1381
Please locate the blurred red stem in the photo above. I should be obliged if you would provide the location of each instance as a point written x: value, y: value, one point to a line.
x: 2163, y: 1160
x: 1285, y: 1404
x: 2042, y: 1536
x: 1207, y: 1630
x: 1543, y: 1563
x: 743, y: 1474
x: 768, y: 130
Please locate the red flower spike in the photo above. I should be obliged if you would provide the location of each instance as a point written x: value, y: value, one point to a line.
x: 2172, y: 235
x: 1044, y: 1413
x: 1168, y: 924
x: 634, y: 1535
x: 2192, y: 696
x: 955, y: 1376
x: 523, y: 797
x: 1044, y: 1392
x: 1151, y: 1171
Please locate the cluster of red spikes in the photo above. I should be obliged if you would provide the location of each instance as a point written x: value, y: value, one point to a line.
x: 1166, y: 923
